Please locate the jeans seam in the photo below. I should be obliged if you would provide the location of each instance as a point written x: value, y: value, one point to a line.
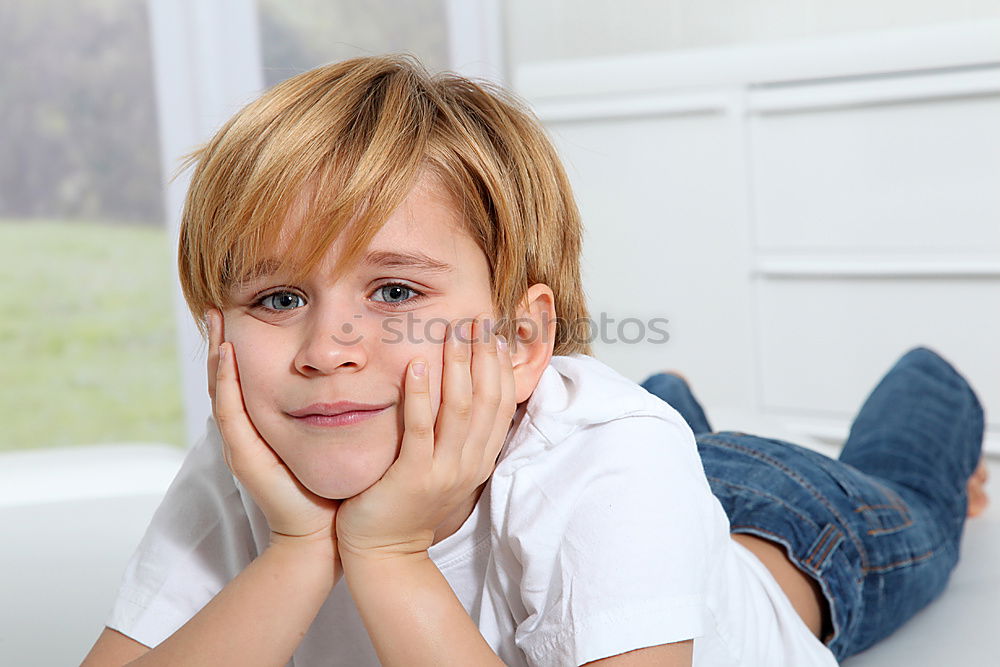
x: 901, y: 563
x: 893, y: 529
x: 816, y: 494
x: 778, y: 501
x: 897, y: 504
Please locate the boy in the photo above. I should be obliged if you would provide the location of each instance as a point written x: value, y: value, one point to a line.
x: 386, y: 478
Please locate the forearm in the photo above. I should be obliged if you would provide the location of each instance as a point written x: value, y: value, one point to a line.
x: 260, y: 617
x: 412, y: 616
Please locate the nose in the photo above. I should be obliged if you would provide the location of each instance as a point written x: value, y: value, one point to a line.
x: 333, y: 346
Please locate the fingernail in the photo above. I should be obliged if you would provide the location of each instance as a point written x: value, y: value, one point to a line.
x: 418, y: 368
x: 222, y: 353
x: 502, y: 342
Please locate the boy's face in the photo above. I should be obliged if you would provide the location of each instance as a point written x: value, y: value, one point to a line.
x: 322, y: 342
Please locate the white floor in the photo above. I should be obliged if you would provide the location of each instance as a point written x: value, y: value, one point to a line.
x: 64, y: 556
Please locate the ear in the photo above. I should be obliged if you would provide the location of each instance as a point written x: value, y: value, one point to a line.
x: 532, y: 338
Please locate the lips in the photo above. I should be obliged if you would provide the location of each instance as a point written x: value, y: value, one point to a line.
x: 345, y: 413
x: 338, y: 408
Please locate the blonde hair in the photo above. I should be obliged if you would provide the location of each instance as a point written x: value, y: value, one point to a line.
x: 352, y: 137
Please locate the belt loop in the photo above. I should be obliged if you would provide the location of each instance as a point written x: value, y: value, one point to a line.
x: 819, y: 553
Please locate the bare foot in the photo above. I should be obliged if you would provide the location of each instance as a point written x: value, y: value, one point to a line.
x: 976, y: 489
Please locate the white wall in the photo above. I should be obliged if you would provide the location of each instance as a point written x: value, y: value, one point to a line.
x: 557, y: 29
x: 802, y: 211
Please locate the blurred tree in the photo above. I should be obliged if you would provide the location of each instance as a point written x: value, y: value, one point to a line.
x: 79, y: 117
x: 77, y: 103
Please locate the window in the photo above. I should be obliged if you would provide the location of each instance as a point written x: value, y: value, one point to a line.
x: 297, y: 36
x: 87, y: 333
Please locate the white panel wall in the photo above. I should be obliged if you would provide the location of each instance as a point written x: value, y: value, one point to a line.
x: 826, y: 341
x: 886, y: 164
x: 543, y: 30
x: 672, y: 235
x: 802, y: 213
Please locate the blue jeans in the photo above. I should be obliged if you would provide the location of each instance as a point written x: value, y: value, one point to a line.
x: 879, y: 528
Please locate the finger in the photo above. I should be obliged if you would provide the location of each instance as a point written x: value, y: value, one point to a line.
x: 485, y: 396
x: 417, y: 447
x: 505, y: 411
x: 456, y: 393
x: 247, y: 454
x: 213, y: 318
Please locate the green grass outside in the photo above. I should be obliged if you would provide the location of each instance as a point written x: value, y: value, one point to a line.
x: 87, y: 335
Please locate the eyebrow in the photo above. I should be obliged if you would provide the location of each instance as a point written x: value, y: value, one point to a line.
x: 415, y: 260
x: 378, y: 258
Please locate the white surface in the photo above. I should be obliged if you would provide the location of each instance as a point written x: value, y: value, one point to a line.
x: 33, y: 478
x: 848, y: 333
x: 565, y: 29
x: 475, y: 38
x: 853, y: 54
x: 71, y: 520
x: 911, y: 170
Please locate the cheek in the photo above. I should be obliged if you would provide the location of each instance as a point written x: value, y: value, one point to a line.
x: 254, y: 369
x: 421, y: 336
x: 432, y: 349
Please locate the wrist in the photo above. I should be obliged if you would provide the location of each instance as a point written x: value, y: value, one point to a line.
x: 400, y: 547
x: 312, y: 552
x: 318, y: 541
x: 379, y: 566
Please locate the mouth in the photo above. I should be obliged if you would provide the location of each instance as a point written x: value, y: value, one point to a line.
x: 337, y: 414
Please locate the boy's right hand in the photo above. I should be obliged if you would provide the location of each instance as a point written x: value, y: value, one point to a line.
x: 294, y: 514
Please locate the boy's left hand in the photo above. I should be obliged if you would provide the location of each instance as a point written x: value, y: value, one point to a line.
x: 440, y: 464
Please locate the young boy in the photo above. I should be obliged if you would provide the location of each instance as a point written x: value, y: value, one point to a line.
x: 411, y: 460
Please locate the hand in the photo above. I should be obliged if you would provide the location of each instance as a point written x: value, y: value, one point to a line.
x: 294, y: 514
x: 440, y: 465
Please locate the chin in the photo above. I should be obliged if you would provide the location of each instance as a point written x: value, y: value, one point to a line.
x: 337, y: 489
x: 338, y: 474
x: 333, y: 467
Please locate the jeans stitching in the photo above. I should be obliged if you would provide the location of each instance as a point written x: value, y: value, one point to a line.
x: 900, y: 563
x: 891, y: 529
x: 816, y: 494
x: 897, y: 504
x: 824, y: 538
x: 832, y: 544
x: 778, y: 501
x: 827, y: 544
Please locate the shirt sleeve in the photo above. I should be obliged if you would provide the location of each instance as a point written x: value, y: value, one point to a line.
x: 197, y: 541
x: 616, y: 537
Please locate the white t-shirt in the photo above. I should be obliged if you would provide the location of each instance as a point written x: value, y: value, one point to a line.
x: 597, y: 534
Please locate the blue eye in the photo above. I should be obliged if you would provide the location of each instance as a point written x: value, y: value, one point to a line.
x: 281, y: 301
x: 394, y: 293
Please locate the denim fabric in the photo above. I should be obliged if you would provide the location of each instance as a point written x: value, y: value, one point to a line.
x: 879, y: 528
